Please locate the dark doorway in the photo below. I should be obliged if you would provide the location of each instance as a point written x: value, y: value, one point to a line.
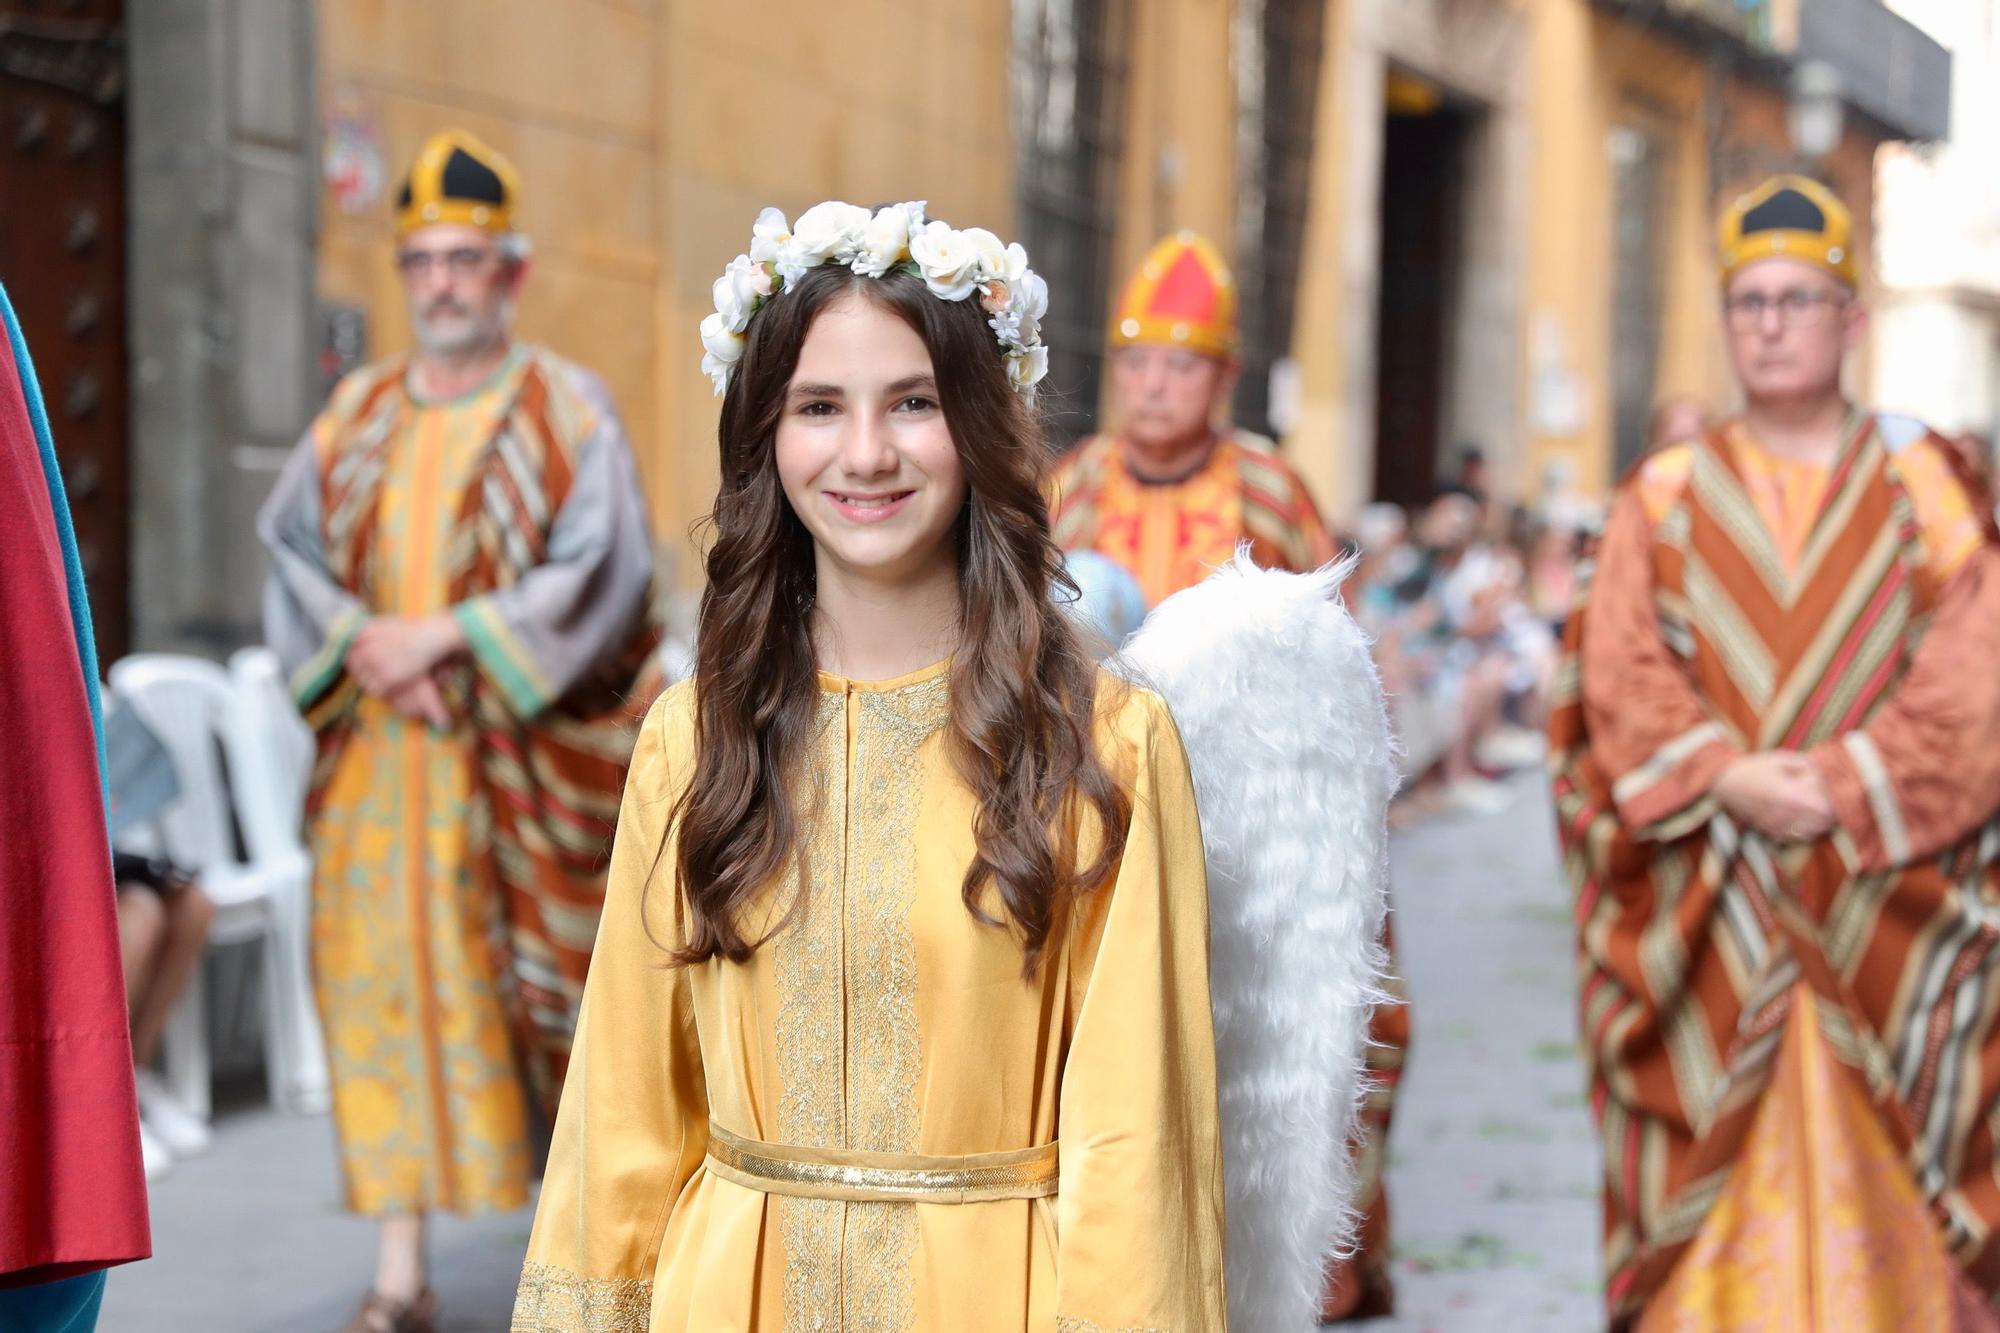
x: 1422, y: 191
x: 62, y: 258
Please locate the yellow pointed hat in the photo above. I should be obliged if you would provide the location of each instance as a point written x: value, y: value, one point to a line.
x: 457, y: 178
x: 1182, y: 296
x: 1790, y: 217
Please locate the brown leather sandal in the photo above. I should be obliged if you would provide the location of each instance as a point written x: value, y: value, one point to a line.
x: 383, y: 1314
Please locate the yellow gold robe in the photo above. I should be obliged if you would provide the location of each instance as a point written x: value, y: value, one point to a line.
x: 884, y: 1018
x: 409, y: 964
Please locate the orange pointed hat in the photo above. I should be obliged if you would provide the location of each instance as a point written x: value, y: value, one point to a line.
x: 1182, y: 296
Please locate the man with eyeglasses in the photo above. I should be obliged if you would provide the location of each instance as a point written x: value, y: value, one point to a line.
x: 461, y: 587
x: 1168, y: 493
x: 1777, y: 776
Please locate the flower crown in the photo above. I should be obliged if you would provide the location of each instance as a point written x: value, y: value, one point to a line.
x: 954, y: 264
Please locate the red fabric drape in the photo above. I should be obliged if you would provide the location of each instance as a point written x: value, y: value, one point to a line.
x: 72, y: 1189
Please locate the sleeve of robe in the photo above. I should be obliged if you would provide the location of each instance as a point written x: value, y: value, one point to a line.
x: 633, y: 1126
x: 1925, y: 771
x: 309, y: 618
x: 1656, y: 742
x: 538, y: 637
x: 1140, y: 1212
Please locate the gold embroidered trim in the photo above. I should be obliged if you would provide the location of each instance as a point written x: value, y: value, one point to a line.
x: 885, y: 1060
x: 556, y: 1300
x: 1066, y: 1323
x: 865, y: 1177
x: 849, y: 1050
x: 811, y: 1028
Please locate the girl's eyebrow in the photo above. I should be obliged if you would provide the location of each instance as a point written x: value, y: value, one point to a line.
x: 817, y: 391
x: 910, y: 383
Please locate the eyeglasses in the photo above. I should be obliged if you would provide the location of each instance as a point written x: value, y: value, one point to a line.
x: 1797, y: 308
x: 460, y: 263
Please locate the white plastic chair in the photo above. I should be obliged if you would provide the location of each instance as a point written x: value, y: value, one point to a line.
x: 198, y: 711
x: 273, y: 776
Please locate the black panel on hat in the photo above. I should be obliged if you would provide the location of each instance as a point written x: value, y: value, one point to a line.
x: 466, y: 177
x: 403, y: 199
x: 1787, y: 210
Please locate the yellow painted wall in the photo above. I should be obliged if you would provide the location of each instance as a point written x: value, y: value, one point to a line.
x: 1179, y: 167
x: 648, y: 134
x: 1592, y: 73
x: 1324, y: 447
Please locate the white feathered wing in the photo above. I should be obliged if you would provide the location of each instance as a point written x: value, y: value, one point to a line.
x: 1281, y: 711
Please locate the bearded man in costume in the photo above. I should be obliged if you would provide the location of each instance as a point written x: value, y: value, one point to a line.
x: 1777, y: 773
x: 462, y: 580
x: 1169, y: 494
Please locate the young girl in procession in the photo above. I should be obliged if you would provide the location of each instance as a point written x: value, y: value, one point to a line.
x: 899, y: 1012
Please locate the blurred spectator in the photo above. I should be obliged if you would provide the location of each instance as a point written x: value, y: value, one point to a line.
x: 1463, y: 658
x: 1552, y: 557
x: 163, y: 921
x: 1676, y: 421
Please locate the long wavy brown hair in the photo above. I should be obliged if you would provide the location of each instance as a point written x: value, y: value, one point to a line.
x: 1023, y: 689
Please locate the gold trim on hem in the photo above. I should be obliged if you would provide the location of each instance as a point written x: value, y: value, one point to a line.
x: 876, y: 1177
x: 552, y: 1299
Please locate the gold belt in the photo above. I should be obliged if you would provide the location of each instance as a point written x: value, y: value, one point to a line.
x: 880, y: 1177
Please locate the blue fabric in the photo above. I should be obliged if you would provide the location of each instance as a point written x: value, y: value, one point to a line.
x: 1108, y: 598
x: 79, y: 600
x: 68, y: 1306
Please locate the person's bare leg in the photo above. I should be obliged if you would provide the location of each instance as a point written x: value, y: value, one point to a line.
x: 1479, y: 711
x: 188, y: 914
x: 142, y: 931
x: 400, y: 1263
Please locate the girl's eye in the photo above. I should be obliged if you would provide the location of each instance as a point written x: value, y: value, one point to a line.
x: 916, y: 403
x: 817, y: 408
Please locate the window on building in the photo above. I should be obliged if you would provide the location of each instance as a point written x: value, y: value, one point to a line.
x: 1277, y: 53
x: 1069, y: 77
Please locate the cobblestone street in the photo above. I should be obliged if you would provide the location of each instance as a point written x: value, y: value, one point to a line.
x: 1492, y: 1161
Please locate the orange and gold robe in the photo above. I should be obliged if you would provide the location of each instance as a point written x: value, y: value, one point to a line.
x: 1169, y: 536
x: 1794, y: 1055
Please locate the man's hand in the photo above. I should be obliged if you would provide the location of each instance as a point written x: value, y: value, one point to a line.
x: 422, y: 701
x: 392, y: 652
x: 1780, y: 794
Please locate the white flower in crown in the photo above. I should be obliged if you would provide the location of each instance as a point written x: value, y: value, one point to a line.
x: 769, y: 237
x: 743, y: 286
x: 955, y: 266
x: 1017, y: 317
x: 1026, y: 367
x: 825, y: 232
x: 947, y: 260
x: 722, y: 348
x: 991, y: 252
x: 885, y: 241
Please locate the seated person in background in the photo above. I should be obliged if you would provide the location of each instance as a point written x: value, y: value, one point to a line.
x: 163, y: 921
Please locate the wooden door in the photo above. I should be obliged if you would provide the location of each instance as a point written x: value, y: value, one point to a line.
x: 62, y: 258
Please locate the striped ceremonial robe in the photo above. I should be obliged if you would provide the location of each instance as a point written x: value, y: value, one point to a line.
x: 1695, y: 933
